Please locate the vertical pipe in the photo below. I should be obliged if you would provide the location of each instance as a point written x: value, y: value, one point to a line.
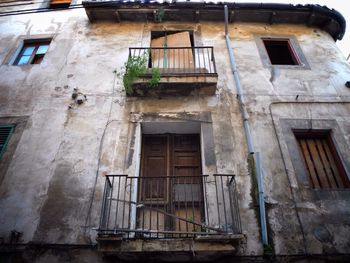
x: 240, y: 95
x: 261, y: 199
x: 248, y: 135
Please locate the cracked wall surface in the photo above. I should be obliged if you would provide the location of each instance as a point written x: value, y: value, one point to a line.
x: 52, y: 185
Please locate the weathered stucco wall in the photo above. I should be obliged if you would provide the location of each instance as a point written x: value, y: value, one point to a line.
x: 50, y: 191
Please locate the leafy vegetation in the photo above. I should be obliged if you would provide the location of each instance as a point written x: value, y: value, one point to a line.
x: 154, y: 81
x: 133, y: 68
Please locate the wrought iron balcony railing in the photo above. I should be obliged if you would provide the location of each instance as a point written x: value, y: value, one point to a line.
x: 169, y: 207
x: 177, y: 61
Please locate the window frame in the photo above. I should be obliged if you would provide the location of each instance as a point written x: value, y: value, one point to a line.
x: 293, y: 46
x: 36, y: 43
x: 294, y: 57
x: 294, y: 160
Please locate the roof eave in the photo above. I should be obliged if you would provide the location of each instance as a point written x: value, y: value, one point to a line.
x: 317, y: 16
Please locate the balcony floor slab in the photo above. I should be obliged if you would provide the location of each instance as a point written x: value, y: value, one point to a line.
x: 202, y: 249
x: 176, y: 86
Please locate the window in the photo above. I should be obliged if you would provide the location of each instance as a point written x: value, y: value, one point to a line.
x: 280, y: 52
x: 321, y: 159
x: 32, y: 52
x: 5, y: 134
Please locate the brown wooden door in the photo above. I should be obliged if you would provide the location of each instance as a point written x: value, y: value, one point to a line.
x: 187, y: 185
x: 170, y: 181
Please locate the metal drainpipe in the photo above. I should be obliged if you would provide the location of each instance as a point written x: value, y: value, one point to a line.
x: 248, y: 135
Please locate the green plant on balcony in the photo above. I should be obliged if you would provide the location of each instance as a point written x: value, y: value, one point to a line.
x: 133, y: 68
x: 154, y: 81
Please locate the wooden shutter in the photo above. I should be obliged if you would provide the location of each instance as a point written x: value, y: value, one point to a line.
x: 172, y: 58
x: 5, y: 134
x: 322, y: 161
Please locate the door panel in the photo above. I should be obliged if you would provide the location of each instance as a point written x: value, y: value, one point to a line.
x: 155, y: 164
x: 175, y: 160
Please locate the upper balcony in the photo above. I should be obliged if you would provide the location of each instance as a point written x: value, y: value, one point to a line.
x: 170, y: 71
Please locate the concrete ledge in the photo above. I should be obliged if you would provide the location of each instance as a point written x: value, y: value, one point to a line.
x: 176, y: 86
x: 200, y: 248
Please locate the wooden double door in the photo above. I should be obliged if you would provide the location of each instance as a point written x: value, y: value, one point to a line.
x: 170, y: 185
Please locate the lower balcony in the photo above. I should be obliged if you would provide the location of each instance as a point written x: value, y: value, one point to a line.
x: 174, y: 216
x: 171, y: 71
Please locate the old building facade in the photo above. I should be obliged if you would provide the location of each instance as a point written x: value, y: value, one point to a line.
x: 177, y: 131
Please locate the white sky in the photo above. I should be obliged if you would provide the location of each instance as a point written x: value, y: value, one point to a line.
x: 342, y: 6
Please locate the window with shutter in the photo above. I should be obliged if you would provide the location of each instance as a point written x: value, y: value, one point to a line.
x: 5, y: 134
x: 321, y: 159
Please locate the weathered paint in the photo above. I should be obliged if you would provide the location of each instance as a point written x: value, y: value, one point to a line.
x: 49, y: 184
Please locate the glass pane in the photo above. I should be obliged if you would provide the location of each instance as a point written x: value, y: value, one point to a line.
x: 42, y: 49
x: 23, y: 60
x: 28, y: 51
